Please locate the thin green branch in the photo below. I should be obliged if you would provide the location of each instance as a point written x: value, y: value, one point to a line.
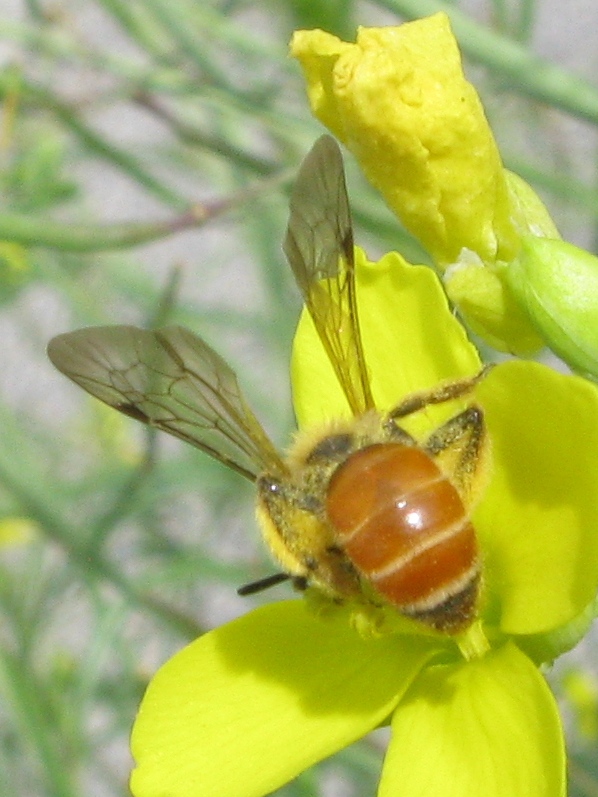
x: 190, y: 134
x: 93, y: 141
x: 35, y: 231
x: 173, y: 19
x: 135, y: 22
x: 561, y: 185
x: 124, y: 501
x: 24, y: 696
x: 527, y: 17
x: 161, y: 74
x: 201, y: 24
x: 31, y: 231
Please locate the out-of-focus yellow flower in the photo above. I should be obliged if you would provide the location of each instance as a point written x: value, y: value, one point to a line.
x: 581, y: 689
x: 15, y: 530
x: 15, y: 269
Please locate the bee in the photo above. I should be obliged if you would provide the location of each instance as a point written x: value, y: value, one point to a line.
x: 364, y: 511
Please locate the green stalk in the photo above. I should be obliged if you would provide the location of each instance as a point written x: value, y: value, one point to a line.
x: 19, y: 228
x: 188, y: 29
x: 23, y: 695
x: 560, y: 185
x: 98, y: 145
x: 172, y: 18
x: 194, y: 136
x: 31, y: 231
x: 36, y: 504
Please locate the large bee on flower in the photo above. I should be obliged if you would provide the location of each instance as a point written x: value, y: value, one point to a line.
x: 361, y: 511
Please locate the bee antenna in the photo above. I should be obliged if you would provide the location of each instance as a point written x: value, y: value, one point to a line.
x: 263, y: 583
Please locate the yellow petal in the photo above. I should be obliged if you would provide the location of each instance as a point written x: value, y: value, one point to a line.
x: 411, y: 342
x: 488, y: 727
x: 538, y: 518
x: 400, y: 102
x: 247, y: 707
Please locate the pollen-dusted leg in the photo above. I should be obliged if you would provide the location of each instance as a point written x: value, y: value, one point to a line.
x: 460, y: 446
x: 446, y: 392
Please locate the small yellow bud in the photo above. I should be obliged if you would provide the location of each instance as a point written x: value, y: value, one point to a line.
x: 490, y: 307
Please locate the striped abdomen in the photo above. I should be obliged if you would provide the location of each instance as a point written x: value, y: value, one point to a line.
x: 403, y: 525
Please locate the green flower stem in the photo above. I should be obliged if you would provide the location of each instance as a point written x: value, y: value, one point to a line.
x: 524, y: 72
x: 473, y: 643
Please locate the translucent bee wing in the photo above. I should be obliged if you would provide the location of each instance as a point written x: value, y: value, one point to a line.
x: 319, y: 248
x: 171, y: 379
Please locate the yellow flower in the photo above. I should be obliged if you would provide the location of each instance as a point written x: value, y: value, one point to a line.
x: 250, y: 705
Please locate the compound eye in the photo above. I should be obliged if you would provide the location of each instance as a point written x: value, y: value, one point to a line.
x: 333, y: 448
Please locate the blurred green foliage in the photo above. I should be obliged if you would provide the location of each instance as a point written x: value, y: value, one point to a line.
x: 146, y: 151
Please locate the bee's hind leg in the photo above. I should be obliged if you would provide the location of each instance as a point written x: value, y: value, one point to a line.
x: 461, y: 448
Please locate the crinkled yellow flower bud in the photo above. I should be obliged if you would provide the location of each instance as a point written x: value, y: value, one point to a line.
x: 400, y: 102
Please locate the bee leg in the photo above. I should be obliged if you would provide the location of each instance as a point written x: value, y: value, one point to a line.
x: 461, y: 448
x: 262, y: 584
x: 440, y: 394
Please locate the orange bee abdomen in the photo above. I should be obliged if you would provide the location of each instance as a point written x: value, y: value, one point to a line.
x: 404, y: 526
